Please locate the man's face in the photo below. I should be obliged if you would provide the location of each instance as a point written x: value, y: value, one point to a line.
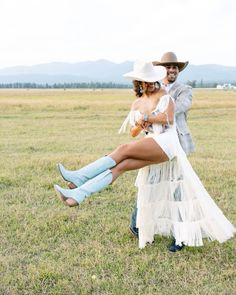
x: 172, y: 73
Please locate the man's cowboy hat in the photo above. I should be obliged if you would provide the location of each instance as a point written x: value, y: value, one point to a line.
x: 145, y: 71
x: 169, y: 58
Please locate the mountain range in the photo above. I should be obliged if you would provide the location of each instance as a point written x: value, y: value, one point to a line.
x: 105, y: 71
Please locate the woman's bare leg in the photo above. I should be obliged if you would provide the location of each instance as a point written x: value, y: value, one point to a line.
x: 123, y: 166
x: 127, y: 165
x: 133, y: 156
x: 144, y: 149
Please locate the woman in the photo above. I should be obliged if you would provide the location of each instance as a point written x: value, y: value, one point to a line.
x: 171, y: 198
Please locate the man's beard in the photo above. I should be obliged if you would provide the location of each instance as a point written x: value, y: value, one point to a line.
x: 172, y: 77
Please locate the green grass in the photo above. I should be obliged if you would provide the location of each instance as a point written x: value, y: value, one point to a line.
x: 47, y: 248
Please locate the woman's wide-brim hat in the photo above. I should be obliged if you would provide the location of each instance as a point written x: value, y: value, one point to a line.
x: 169, y: 58
x: 146, y: 72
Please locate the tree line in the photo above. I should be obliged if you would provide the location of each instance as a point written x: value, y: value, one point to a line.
x: 91, y: 85
x: 94, y: 85
x: 204, y: 84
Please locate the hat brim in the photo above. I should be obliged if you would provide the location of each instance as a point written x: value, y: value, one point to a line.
x: 153, y: 77
x: 181, y: 65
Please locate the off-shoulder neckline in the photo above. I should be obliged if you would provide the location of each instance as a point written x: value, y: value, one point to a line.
x: 156, y: 105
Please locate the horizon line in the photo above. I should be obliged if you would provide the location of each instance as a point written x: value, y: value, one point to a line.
x: 94, y: 61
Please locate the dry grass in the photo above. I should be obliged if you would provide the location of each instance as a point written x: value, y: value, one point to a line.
x: 46, y: 248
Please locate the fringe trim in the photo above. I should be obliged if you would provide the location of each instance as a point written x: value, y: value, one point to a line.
x: 189, y: 233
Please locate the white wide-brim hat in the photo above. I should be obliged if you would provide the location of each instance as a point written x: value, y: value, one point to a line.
x: 146, y: 72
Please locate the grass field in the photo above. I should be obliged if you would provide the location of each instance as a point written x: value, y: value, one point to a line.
x: 47, y: 248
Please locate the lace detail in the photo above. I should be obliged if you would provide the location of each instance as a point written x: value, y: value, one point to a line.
x: 173, y: 202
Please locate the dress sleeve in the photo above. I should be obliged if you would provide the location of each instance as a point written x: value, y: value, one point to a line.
x: 163, y: 104
x: 129, y: 120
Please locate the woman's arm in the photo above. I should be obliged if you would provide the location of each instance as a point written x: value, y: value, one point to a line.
x: 136, y: 128
x: 166, y: 117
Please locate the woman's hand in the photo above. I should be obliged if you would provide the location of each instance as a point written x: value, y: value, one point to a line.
x: 140, y: 122
x: 143, y: 124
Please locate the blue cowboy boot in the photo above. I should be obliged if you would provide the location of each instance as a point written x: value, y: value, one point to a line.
x: 79, y: 177
x: 92, y: 186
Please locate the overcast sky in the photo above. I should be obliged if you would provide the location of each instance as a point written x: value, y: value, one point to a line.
x: 42, y: 31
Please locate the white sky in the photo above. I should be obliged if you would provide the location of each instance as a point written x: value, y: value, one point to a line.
x: 41, y: 31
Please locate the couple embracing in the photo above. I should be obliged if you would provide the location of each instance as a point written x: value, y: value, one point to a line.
x: 171, y: 199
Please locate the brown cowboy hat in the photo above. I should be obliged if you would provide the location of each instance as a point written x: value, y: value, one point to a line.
x: 169, y: 58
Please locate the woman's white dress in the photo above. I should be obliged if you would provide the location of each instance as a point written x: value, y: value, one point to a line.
x: 172, y: 201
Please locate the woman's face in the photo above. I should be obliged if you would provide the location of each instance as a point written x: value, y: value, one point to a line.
x: 149, y: 87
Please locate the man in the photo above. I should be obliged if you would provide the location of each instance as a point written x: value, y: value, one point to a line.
x: 182, y: 95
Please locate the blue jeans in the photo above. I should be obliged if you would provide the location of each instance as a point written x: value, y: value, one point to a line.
x: 133, y: 218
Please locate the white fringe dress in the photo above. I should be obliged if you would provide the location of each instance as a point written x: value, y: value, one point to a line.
x: 171, y: 200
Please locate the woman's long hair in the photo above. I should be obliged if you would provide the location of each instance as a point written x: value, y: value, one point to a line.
x: 138, y: 88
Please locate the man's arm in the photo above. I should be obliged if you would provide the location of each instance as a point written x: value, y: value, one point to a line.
x: 183, y: 101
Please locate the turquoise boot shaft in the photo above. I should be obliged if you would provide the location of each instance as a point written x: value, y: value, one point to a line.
x: 79, y: 177
x: 92, y: 186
